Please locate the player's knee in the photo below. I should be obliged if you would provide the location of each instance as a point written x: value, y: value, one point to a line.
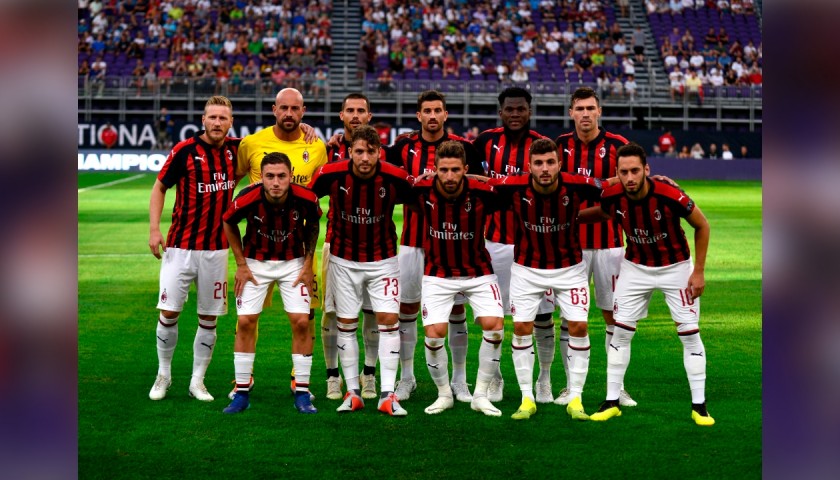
x: 409, y: 309
x: 523, y: 328
x: 300, y: 324
x: 437, y: 330
x: 247, y: 323
x: 169, y: 315
x: 578, y: 329
x: 689, y: 335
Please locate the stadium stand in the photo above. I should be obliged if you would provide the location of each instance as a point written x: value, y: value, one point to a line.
x: 249, y: 49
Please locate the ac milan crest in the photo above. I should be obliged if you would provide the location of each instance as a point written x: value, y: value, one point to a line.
x: 467, y: 206
x: 238, y: 302
x: 306, y: 156
x: 512, y: 309
x: 230, y: 155
x: 602, y: 152
x: 295, y: 215
x: 565, y: 200
x: 163, y: 296
x: 425, y: 312
x: 615, y: 308
x: 381, y: 192
x: 657, y: 215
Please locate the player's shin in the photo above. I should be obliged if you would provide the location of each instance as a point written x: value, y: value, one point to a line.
x: 370, y: 337
x: 389, y: 356
x: 438, y: 363
x: 203, y: 345
x: 348, y: 353
x: 408, y: 342
x: 694, y: 359
x: 167, y: 339
x: 458, y: 339
x: 618, y: 357
x: 523, y: 364
x: 489, y: 358
x: 546, y: 346
x: 579, y: 350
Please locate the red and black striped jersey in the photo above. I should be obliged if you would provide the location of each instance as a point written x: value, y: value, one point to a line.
x: 502, y: 157
x: 204, y: 181
x: 417, y: 157
x: 363, y: 228
x: 341, y: 153
x: 454, y: 229
x: 655, y: 237
x: 274, y: 232
x: 547, y: 236
x: 594, y: 159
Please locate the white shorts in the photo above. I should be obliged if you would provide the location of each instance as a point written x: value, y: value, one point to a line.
x: 637, y: 283
x: 412, y: 266
x: 604, y: 265
x: 208, y: 268
x: 439, y: 296
x: 501, y: 258
x: 569, y: 287
x: 295, y: 298
x: 349, y: 280
x: 329, y: 300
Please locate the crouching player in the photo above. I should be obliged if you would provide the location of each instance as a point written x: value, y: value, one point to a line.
x: 282, y: 230
x: 657, y: 258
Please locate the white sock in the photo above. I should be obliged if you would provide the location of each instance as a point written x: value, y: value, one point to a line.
x: 523, y: 364
x: 437, y: 361
x: 370, y: 337
x: 458, y: 339
x: 578, y: 364
x: 167, y: 339
x: 203, y: 345
x: 408, y: 342
x: 303, y: 368
x: 329, y: 338
x: 564, y: 347
x: 694, y: 359
x: 389, y: 356
x: 608, y: 337
x: 546, y: 348
x: 618, y: 357
x: 489, y: 358
x: 348, y: 353
x: 243, y: 365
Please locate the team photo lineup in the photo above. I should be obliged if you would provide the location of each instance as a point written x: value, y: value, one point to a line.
x: 512, y: 224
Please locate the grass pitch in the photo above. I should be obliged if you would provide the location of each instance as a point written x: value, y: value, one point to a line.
x: 122, y: 434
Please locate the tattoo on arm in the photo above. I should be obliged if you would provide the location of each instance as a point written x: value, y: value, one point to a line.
x: 310, y: 237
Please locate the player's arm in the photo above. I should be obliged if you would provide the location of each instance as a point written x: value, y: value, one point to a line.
x: 697, y: 280
x: 243, y: 273
x: 243, y: 163
x: 158, y: 197
x: 592, y: 215
x: 311, y: 229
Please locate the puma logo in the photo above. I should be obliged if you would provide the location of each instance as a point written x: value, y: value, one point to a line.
x: 345, y: 190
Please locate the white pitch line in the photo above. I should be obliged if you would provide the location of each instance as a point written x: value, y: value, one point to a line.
x: 115, y: 182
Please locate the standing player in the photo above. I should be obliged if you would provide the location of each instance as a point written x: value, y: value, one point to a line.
x: 591, y: 151
x: 355, y: 112
x: 416, y: 153
x: 455, y: 209
x: 657, y: 258
x: 286, y: 136
x: 202, y: 169
x: 363, y: 193
x: 504, y: 151
x: 280, y: 238
x: 547, y: 257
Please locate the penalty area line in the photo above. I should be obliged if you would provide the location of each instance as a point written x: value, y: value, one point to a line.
x: 115, y: 182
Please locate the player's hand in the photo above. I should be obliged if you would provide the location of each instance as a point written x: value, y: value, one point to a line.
x: 156, y: 244
x: 307, y: 277
x: 423, y: 176
x: 335, y: 140
x: 309, y: 134
x: 696, y: 284
x: 243, y: 275
x: 663, y: 178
